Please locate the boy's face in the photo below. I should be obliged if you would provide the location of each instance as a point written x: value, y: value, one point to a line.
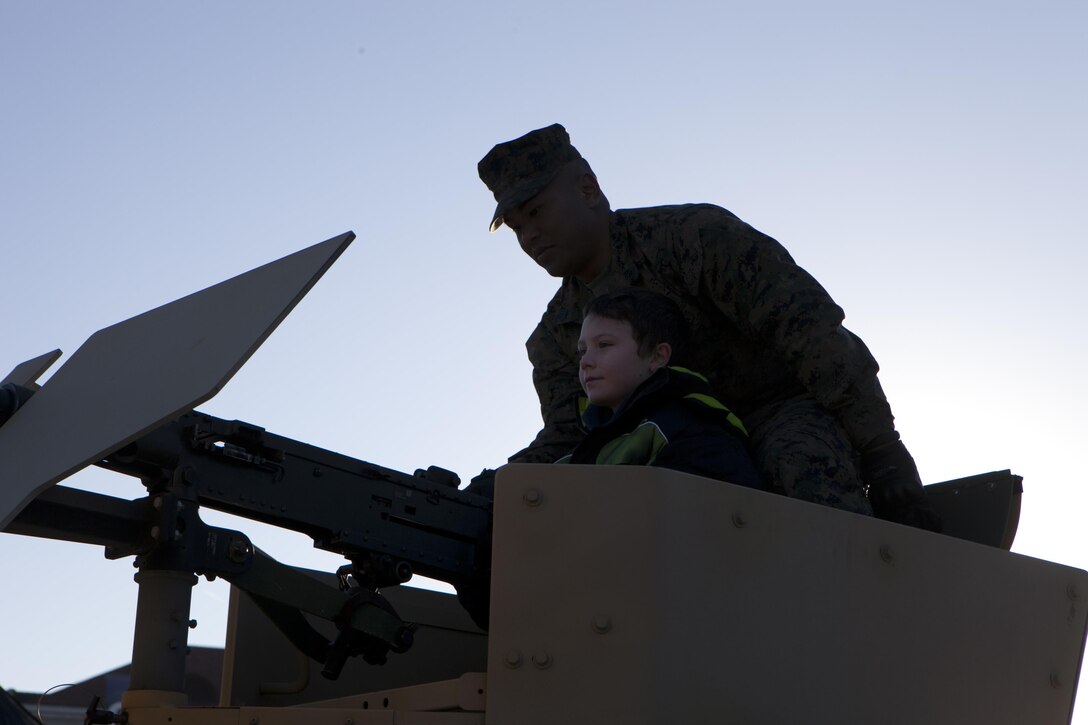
x: 611, y: 367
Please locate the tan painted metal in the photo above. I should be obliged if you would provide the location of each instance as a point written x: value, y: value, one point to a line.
x: 639, y: 595
x: 465, y: 693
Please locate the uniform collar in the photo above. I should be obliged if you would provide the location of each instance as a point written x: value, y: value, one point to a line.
x: 621, y: 270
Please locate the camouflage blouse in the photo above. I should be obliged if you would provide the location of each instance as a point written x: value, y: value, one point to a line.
x: 763, y: 330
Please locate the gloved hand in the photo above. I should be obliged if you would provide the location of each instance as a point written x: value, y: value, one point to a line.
x: 483, y: 484
x: 895, y: 489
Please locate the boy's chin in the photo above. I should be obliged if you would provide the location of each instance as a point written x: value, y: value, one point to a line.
x: 603, y: 403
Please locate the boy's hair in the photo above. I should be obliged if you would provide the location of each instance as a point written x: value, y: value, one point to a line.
x: 653, y: 317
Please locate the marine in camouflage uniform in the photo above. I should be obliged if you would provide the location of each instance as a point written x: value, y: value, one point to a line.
x: 769, y: 338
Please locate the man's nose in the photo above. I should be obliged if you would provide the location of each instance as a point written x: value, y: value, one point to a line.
x: 527, y: 236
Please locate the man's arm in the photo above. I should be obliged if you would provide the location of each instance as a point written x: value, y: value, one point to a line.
x: 753, y: 279
x: 555, y: 376
x: 786, y: 307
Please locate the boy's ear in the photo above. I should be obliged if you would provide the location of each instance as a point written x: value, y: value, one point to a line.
x: 660, y: 356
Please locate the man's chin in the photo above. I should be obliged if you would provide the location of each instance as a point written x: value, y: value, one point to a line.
x: 555, y: 271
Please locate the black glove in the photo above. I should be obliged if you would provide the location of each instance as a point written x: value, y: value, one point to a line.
x: 895, y: 489
x: 483, y: 484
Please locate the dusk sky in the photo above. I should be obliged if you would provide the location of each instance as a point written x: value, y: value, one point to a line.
x: 926, y: 162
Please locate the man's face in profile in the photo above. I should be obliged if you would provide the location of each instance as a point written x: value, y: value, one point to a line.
x: 555, y: 229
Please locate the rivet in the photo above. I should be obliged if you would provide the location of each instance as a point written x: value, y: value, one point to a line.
x: 886, y: 554
x: 542, y: 660
x: 237, y: 551
x: 155, y: 531
x: 512, y: 659
x: 739, y: 519
x: 172, y: 644
x: 1071, y: 592
x: 253, y: 721
x: 601, y: 623
x: 1055, y: 680
x: 533, y: 497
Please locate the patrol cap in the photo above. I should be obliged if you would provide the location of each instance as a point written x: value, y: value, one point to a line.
x: 518, y: 170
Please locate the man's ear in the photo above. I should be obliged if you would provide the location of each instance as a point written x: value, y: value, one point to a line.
x: 660, y: 356
x: 589, y: 189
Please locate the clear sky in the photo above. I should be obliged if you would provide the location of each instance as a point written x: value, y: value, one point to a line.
x: 926, y: 161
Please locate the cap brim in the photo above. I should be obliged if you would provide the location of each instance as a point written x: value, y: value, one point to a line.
x: 520, y: 195
x: 496, y: 221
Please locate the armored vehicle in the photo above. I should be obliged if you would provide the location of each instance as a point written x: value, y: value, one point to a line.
x: 617, y: 594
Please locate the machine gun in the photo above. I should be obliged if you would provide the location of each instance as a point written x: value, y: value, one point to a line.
x: 389, y: 525
x: 124, y: 402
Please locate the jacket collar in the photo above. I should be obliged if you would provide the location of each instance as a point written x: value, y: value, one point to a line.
x: 683, y: 384
x: 595, y: 416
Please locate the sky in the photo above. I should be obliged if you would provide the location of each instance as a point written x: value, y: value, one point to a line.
x: 925, y: 161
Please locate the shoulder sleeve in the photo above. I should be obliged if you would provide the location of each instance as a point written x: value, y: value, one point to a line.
x: 753, y: 279
x: 552, y: 351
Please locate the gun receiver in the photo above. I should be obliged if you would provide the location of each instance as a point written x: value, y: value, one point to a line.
x: 389, y: 524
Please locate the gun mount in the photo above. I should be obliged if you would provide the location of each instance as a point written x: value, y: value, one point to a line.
x: 756, y: 609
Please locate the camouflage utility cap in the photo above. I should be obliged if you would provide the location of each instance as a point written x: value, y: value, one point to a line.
x: 518, y: 170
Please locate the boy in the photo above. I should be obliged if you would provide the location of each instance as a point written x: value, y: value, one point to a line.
x: 640, y: 410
